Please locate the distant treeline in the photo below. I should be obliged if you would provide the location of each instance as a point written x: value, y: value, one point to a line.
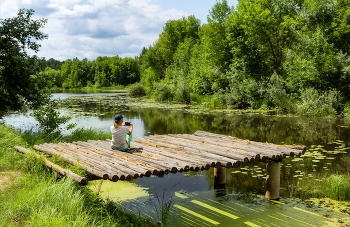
x: 292, y: 55
x: 104, y: 71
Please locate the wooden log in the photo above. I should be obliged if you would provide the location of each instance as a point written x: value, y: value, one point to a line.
x: 123, y: 156
x: 93, y: 170
x: 86, y: 164
x: 87, y: 161
x: 272, y: 180
x: 111, y: 164
x: 264, y: 155
x: 208, y: 141
x: 108, y: 157
x: 298, y: 149
x: 65, y: 172
x: 210, y: 158
x: 249, y: 153
x: 267, y: 152
x: 118, y: 160
x: 176, y: 158
x: 95, y: 160
x: 209, y: 148
x: 157, y: 165
x: 151, y: 164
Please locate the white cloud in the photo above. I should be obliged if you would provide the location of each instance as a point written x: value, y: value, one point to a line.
x: 92, y: 28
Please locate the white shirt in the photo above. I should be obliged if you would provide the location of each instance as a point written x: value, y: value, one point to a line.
x: 118, y: 137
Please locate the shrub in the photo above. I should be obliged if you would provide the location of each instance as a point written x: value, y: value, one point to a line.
x: 137, y: 90
x: 50, y: 121
x: 314, y: 103
x: 162, y: 92
x: 276, y: 91
x: 243, y: 90
x: 182, y: 92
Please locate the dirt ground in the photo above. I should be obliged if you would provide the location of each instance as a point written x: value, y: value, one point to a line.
x: 6, y: 178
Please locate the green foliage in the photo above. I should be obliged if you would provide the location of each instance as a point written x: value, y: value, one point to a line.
x: 102, y: 72
x: 315, y: 103
x: 52, y: 76
x: 182, y: 92
x: 335, y: 186
x: 243, y: 90
x: 34, y: 198
x: 162, y: 92
x: 8, y: 156
x: 162, y: 207
x: 17, y: 86
x: 38, y: 201
x: 263, y: 53
x: 161, y: 55
x: 50, y: 121
x: 137, y: 90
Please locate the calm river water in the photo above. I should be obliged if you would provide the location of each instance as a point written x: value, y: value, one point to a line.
x: 327, y: 141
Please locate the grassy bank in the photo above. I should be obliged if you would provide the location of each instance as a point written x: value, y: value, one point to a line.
x: 312, y: 103
x: 30, y: 195
x: 119, y: 88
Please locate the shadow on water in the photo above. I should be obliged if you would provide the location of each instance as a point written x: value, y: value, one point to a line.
x: 326, y: 139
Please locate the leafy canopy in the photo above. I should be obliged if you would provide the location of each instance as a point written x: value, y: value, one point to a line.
x: 17, y: 85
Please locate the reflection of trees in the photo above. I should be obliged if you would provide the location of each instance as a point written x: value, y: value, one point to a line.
x: 272, y: 129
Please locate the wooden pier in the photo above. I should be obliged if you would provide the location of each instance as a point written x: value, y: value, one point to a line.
x: 161, y: 154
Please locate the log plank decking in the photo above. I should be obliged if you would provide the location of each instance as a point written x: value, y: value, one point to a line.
x: 161, y: 154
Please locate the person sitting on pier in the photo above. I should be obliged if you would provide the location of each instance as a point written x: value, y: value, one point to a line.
x: 121, y: 133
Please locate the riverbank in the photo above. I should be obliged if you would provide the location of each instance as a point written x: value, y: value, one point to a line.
x: 31, y: 196
x: 91, y: 89
x: 214, y: 104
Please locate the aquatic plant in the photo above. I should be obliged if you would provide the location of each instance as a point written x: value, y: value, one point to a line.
x: 162, y: 206
x: 335, y: 187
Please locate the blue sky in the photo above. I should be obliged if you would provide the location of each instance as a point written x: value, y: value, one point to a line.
x: 92, y: 28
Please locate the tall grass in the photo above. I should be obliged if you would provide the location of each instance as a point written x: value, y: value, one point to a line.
x: 208, y: 101
x: 335, y: 186
x: 35, y: 198
x: 162, y: 207
x: 33, y: 137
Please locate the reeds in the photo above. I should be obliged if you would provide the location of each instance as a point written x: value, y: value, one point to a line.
x: 335, y: 186
x: 34, y: 137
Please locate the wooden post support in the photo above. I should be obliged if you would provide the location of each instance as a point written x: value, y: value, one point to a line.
x: 220, y: 181
x: 272, y: 180
x: 219, y: 175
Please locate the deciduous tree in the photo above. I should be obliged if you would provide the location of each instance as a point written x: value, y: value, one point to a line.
x: 17, y: 85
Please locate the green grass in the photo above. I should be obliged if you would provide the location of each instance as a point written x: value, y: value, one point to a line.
x: 208, y: 101
x: 32, y: 137
x: 335, y: 186
x: 92, y: 89
x: 34, y: 198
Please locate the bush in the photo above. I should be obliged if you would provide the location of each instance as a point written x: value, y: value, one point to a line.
x: 243, y: 89
x: 314, y: 103
x: 182, y: 92
x: 50, y: 121
x: 162, y: 92
x: 137, y: 90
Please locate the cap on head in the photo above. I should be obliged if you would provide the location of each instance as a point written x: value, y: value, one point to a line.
x: 118, y: 117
